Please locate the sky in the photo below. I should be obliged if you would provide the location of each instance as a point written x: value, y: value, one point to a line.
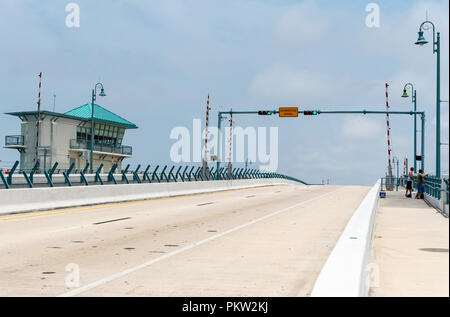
x: 158, y: 61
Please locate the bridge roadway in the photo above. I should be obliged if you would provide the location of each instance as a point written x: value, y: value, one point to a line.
x: 268, y: 241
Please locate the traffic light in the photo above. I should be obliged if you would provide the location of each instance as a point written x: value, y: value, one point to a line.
x: 310, y: 112
x: 265, y: 112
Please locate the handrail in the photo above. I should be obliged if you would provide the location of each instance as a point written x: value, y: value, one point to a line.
x: 109, y: 148
x: 169, y: 173
x: 435, y: 187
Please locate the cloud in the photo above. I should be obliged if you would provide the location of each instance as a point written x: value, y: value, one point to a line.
x: 356, y: 162
x: 301, y: 23
x: 281, y: 83
x: 361, y: 128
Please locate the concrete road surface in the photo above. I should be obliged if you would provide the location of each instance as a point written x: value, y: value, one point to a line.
x: 270, y: 241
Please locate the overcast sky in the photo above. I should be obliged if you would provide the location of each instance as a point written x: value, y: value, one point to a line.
x: 158, y: 60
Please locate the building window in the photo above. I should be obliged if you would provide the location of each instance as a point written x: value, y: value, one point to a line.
x: 104, y: 134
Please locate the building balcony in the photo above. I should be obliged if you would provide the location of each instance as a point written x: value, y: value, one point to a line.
x: 14, y: 142
x: 122, y: 150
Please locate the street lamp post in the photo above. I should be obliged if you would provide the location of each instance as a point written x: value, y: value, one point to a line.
x: 436, y: 49
x: 220, y: 117
x: 423, y: 141
x: 414, y: 100
x: 94, y: 96
x: 395, y: 160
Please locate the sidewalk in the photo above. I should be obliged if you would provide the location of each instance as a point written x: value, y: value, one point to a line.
x: 411, y: 248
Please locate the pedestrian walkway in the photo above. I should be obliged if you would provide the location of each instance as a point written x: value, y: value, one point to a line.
x: 411, y: 245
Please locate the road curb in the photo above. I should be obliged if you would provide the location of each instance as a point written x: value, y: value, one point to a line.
x: 346, y: 272
x: 36, y: 199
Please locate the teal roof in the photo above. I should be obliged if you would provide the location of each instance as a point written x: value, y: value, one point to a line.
x: 100, y: 115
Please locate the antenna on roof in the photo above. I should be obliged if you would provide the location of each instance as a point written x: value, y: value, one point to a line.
x: 36, y: 158
x: 54, y: 102
x: 205, y: 159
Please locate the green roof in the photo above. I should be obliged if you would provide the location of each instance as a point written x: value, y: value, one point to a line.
x: 100, y: 115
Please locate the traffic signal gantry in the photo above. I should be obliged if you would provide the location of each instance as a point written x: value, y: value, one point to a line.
x: 286, y: 112
x: 294, y: 112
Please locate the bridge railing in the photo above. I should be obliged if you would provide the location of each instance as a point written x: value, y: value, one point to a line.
x: 436, y: 189
x: 446, y: 190
x: 391, y: 183
x: 36, y: 177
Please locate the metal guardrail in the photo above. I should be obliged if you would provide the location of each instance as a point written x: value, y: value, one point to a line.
x: 86, y: 145
x: 159, y: 175
x: 437, y: 187
x: 446, y: 191
x: 434, y: 186
x: 389, y: 183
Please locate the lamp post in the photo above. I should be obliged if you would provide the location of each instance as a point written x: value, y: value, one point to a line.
x: 220, y: 117
x: 396, y: 161
x: 414, y: 100
x: 94, y: 96
x: 422, y: 142
x: 436, y: 49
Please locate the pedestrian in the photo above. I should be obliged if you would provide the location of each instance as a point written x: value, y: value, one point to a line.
x: 420, y: 184
x: 409, y: 183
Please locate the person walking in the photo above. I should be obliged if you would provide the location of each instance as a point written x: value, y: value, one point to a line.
x: 420, y: 184
x: 409, y: 183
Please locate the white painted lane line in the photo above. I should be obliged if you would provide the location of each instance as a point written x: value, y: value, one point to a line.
x: 110, y: 278
x: 88, y: 225
x: 68, y: 228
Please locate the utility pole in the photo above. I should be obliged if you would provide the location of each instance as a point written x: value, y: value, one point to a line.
x: 389, y: 184
x: 230, y: 144
x: 414, y: 101
x: 94, y: 97
x: 205, y: 158
x: 36, y: 158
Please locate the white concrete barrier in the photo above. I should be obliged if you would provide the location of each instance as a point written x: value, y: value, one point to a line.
x: 33, y: 199
x: 347, y: 270
x: 438, y: 204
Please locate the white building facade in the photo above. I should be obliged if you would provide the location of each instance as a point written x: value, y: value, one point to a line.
x: 65, y: 138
